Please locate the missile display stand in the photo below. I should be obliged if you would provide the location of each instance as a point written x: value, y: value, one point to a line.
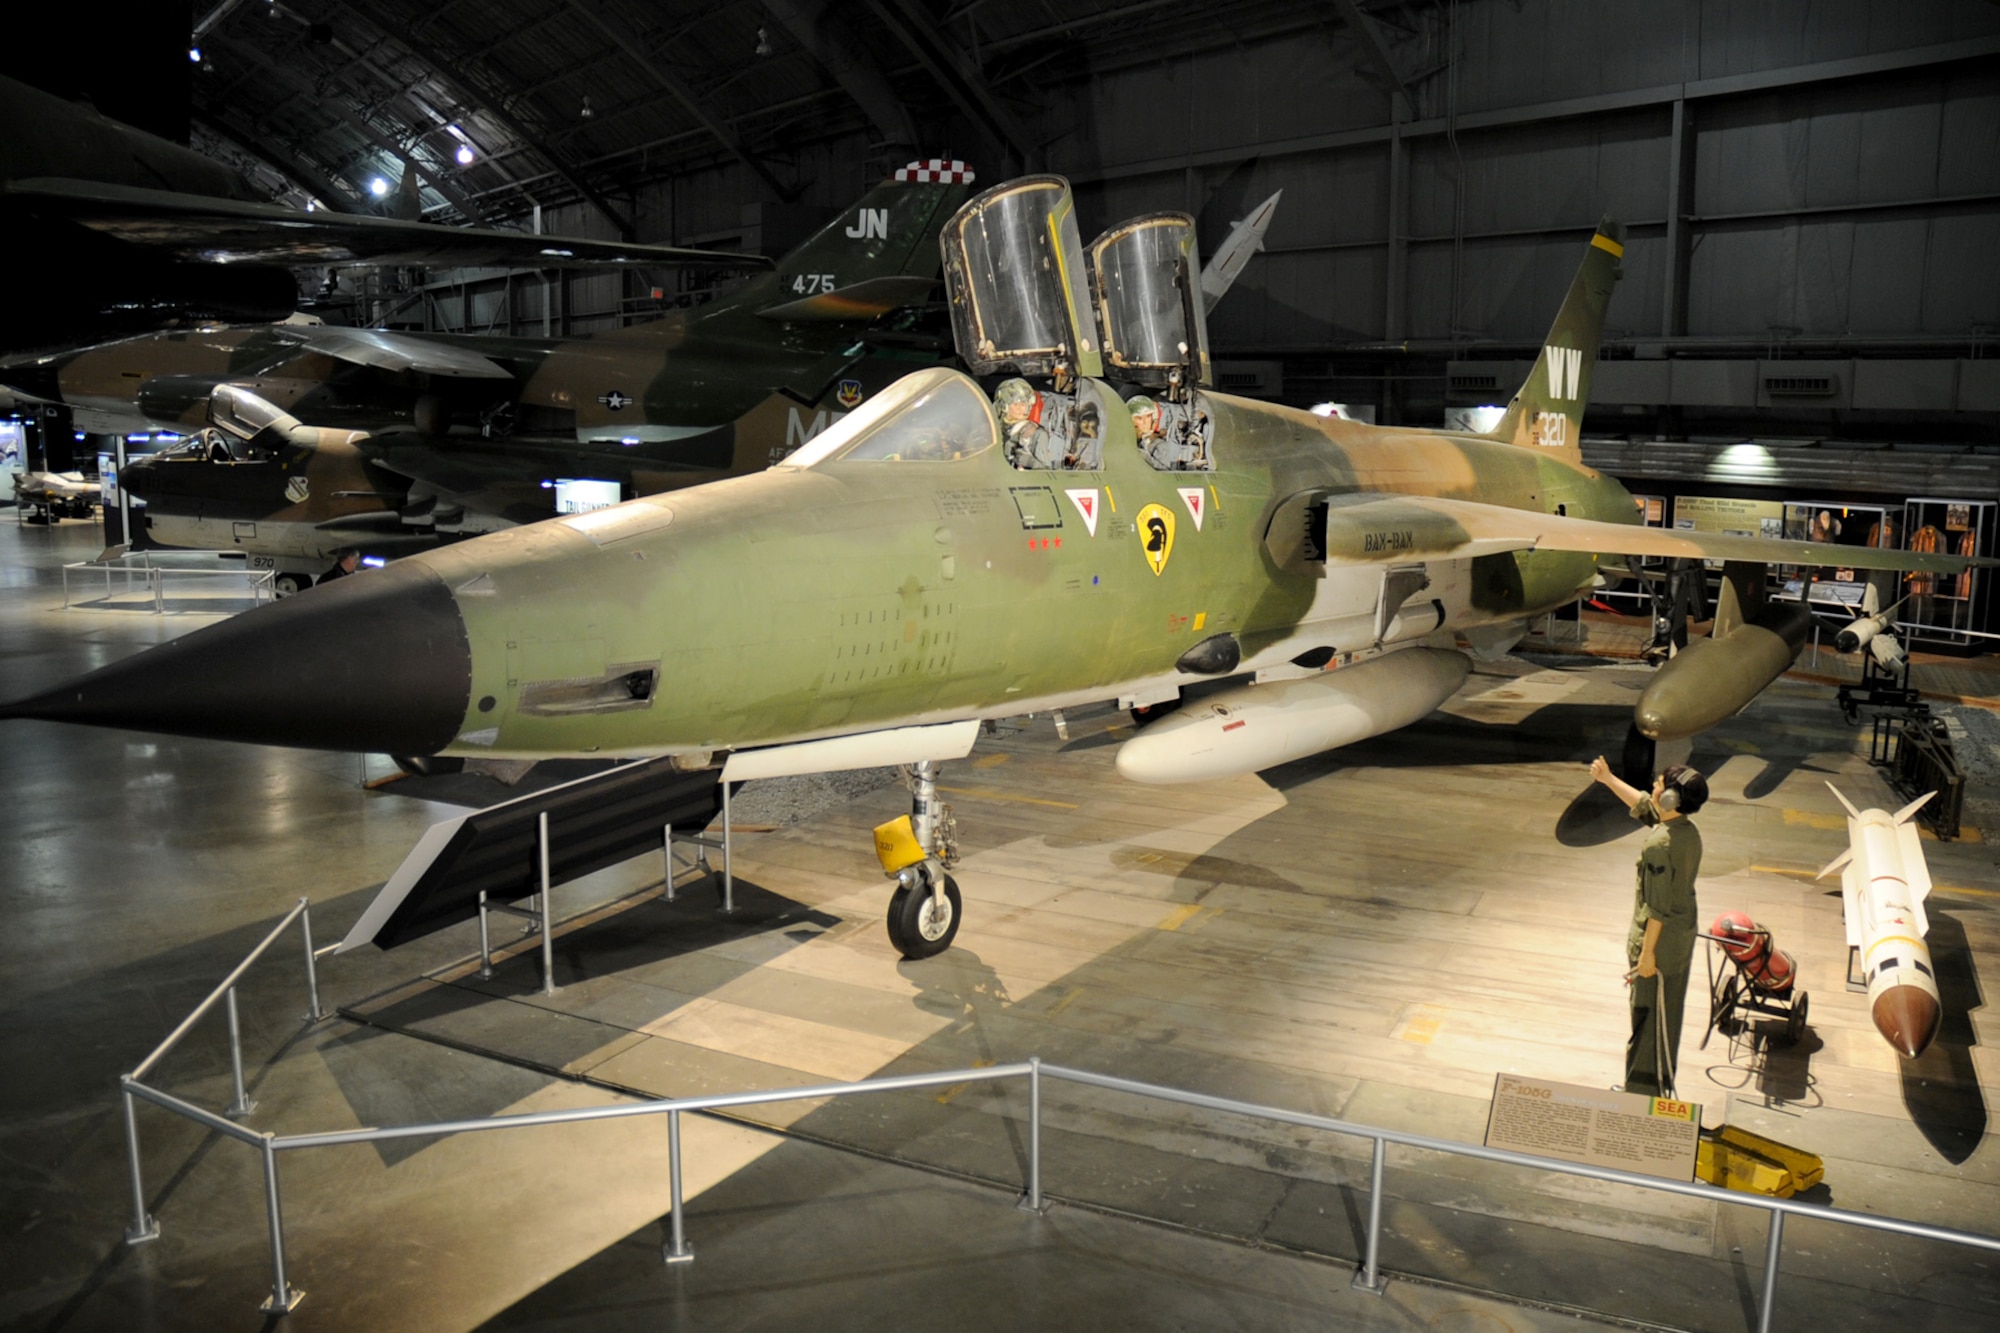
x: 1735, y: 996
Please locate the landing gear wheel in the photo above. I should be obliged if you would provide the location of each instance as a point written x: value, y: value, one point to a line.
x: 1795, y: 1026
x: 286, y: 584
x: 917, y: 927
x: 1636, y: 764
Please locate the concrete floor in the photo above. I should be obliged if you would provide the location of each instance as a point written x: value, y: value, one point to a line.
x: 1336, y: 938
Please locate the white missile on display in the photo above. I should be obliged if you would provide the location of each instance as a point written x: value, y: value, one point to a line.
x: 1252, y: 727
x: 1245, y: 239
x: 1883, y: 884
x: 1873, y: 632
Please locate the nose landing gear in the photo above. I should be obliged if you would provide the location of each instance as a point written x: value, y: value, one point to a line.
x: 916, y: 850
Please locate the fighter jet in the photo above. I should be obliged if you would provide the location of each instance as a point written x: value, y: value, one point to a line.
x: 116, y: 231
x: 930, y: 562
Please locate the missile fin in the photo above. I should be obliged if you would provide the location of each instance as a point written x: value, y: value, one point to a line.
x: 1907, y: 810
x: 1850, y: 909
x: 1844, y: 801
x: 1835, y: 864
x: 1916, y: 871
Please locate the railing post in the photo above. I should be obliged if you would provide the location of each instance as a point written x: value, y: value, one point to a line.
x: 678, y: 1251
x: 1768, y: 1302
x: 1031, y: 1202
x: 144, y: 1227
x: 1370, y: 1279
x: 667, y: 855
x: 313, y: 1012
x: 242, y: 1106
x: 283, y: 1299
x: 728, y: 863
x: 485, y: 942
x: 548, y: 947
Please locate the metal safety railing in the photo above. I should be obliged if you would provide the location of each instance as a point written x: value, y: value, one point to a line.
x: 131, y: 1086
x: 153, y: 578
x: 1368, y: 1277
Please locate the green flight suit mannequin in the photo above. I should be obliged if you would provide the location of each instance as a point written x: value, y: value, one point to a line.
x: 1659, y: 947
x: 1663, y: 891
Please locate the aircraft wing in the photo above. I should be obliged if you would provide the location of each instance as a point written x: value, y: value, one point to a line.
x: 196, y: 227
x: 388, y: 350
x: 1372, y: 528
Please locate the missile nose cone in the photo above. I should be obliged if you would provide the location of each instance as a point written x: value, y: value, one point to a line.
x: 376, y: 662
x: 1907, y: 1018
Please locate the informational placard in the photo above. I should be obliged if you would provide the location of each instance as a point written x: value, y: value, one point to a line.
x: 579, y: 495
x: 1724, y: 514
x: 1652, y: 1136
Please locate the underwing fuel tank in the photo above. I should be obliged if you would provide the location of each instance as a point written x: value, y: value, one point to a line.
x: 1716, y: 678
x: 1883, y: 883
x: 1254, y: 727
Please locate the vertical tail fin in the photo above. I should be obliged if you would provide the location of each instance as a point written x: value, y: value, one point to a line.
x: 1548, y: 411
x: 892, y: 233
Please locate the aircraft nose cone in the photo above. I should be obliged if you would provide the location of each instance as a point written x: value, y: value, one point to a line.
x: 376, y: 662
x: 1907, y: 1018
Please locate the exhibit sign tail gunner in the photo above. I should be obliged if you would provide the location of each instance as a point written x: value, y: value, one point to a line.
x: 1659, y: 947
x: 906, y: 574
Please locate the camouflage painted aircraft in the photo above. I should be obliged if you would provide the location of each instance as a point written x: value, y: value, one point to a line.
x: 414, y: 437
x: 120, y: 231
x: 923, y: 565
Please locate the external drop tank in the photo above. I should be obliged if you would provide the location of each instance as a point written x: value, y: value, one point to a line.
x: 1254, y: 727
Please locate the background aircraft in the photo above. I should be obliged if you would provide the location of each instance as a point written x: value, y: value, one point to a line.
x: 916, y: 569
x: 117, y: 231
x: 414, y: 437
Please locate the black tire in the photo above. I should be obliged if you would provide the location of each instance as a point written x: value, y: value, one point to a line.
x: 1635, y: 765
x: 1795, y: 1026
x: 287, y: 583
x: 914, y: 927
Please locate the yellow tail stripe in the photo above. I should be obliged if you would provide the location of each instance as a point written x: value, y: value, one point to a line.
x: 1603, y: 242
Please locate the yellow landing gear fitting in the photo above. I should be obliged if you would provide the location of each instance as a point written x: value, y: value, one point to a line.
x: 915, y: 850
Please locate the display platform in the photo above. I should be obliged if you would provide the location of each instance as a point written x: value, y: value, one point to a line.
x: 1372, y: 934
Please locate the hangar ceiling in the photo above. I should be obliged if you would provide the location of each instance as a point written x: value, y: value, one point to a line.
x: 502, y: 105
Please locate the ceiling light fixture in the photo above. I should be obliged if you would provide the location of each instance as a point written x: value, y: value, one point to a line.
x: 194, y: 55
x: 464, y: 155
x: 378, y: 187
x: 585, y: 113
x: 763, y: 42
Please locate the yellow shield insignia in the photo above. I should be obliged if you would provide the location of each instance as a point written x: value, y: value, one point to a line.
x: 1156, y: 534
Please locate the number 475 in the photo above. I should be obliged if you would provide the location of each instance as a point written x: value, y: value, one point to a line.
x: 808, y: 283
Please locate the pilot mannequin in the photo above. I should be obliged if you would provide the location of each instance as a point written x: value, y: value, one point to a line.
x: 1026, y: 416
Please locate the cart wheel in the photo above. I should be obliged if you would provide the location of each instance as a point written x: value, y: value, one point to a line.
x: 1795, y: 1026
x: 1728, y: 1022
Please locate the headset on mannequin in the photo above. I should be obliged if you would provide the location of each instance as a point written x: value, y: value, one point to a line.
x: 1674, y: 792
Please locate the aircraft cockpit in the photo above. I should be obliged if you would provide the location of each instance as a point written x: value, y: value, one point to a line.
x: 210, y: 445
x: 1173, y: 435
x: 1047, y: 430
x: 932, y: 416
